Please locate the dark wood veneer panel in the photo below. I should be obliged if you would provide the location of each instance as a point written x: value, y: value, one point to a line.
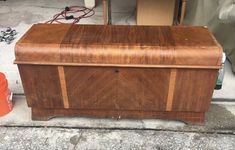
x: 143, y: 89
x: 117, y: 88
x: 194, y: 89
x: 41, y: 86
x: 91, y: 87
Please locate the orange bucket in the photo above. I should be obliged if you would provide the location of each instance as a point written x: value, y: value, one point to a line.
x: 5, y: 102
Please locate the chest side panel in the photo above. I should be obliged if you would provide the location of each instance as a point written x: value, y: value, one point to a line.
x: 193, y: 89
x: 41, y: 86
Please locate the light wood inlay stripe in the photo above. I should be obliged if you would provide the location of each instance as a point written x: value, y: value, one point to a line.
x: 120, y: 65
x: 171, y: 90
x: 63, y: 86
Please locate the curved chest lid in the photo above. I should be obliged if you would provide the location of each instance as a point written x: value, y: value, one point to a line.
x: 133, y: 46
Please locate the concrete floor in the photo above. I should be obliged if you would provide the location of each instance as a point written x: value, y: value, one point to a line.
x: 18, y: 131
x: 78, y: 139
x: 220, y: 118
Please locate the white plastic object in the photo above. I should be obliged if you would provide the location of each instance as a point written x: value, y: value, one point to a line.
x: 89, y: 3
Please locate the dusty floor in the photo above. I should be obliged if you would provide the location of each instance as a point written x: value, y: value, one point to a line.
x: 18, y: 131
x: 59, y: 138
x: 220, y: 118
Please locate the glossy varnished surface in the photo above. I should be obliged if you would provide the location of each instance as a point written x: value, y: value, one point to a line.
x: 107, y: 88
x: 41, y: 86
x: 118, y: 71
x: 118, y: 45
x: 117, y: 88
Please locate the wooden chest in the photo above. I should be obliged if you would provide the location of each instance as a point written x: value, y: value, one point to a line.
x: 118, y: 71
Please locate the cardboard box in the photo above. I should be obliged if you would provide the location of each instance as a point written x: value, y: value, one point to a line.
x: 155, y: 12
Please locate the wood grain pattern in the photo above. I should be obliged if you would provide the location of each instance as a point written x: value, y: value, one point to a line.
x: 41, y: 86
x: 187, y: 117
x: 117, y: 88
x: 121, y: 88
x: 120, y: 45
x: 91, y: 87
x: 171, y: 90
x: 112, y: 71
x: 119, y: 65
x: 63, y: 86
x: 194, y: 89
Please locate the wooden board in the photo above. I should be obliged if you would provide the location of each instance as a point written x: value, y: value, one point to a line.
x: 190, y: 47
x: 187, y: 117
x: 118, y: 88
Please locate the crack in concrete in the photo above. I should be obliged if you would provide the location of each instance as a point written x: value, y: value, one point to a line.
x: 223, y: 132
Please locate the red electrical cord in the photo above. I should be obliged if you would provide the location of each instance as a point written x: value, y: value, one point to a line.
x: 69, y: 13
